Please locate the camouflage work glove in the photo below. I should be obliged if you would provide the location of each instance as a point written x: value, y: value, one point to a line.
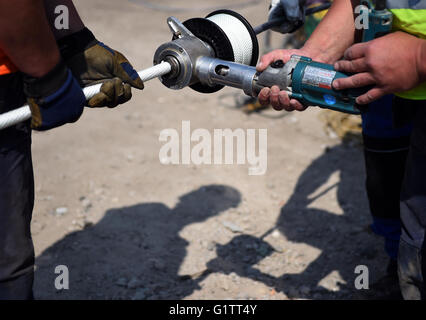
x: 92, y: 62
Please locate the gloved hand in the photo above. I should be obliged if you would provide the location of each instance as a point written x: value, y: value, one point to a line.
x: 93, y: 62
x: 292, y: 13
x: 54, y: 99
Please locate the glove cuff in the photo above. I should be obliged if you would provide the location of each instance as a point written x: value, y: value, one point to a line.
x: 45, y: 86
x: 75, y: 43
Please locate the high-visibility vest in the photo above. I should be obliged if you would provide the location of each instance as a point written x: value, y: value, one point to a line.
x: 410, y: 16
x: 6, y: 66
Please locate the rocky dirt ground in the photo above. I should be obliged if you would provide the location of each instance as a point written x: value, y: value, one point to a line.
x: 129, y: 227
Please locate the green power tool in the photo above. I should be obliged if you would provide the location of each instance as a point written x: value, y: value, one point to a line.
x: 311, y: 84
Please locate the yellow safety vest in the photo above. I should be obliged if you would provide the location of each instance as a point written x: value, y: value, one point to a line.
x: 410, y: 16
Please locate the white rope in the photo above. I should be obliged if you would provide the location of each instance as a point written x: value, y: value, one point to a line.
x: 16, y: 116
x: 238, y: 35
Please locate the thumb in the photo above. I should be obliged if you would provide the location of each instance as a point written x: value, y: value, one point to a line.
x: 125, y: 71
x: 275, y: 55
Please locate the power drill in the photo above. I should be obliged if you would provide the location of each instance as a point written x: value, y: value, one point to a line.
x: 311, y: 81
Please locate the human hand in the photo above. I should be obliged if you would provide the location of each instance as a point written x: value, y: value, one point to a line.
x: 390, y: 64
x: 273, y: 96
x: 93, y: 62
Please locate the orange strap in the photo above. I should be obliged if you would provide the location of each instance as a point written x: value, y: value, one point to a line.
x: 6, y: 66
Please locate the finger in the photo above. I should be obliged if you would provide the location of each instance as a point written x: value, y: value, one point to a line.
x: 264, y: 95
x: 127, y: 93
x: 356, y: 51
x: 125, y: 71
x: 98, y: 101
x: 370, y: 96
x: 118, y: 94
x: 274, y: 98
x: 113, y: 89
x: 272, y: 56
x: 296, y: 105
x: 356, y: 81
x: 353, y: 66
x: 284, y: 100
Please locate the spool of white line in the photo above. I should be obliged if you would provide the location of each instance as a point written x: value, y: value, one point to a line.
x: 238, y: 35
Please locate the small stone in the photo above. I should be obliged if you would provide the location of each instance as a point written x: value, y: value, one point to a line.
x: 276, y: 234
x: 332, y: 134
x: 232, y: 227
x: 61, y: 211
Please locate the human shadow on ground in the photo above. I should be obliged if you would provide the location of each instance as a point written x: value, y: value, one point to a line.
x: 343, y: 239
x: 133, y: 252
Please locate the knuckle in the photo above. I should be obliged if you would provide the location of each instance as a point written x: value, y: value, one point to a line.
x: 369, y: 62
x: 356, y: 81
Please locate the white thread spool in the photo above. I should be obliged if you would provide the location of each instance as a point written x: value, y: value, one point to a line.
x: 238, y: 35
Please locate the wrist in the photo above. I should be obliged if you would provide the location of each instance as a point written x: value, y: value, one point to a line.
x: 313, y: 52
x: 41, y: 87
x: 75, y: 43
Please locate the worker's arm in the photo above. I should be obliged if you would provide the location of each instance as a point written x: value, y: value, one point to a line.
x: 91, y: 61
x: 391, y: 64
x: 331, y: 38
x: 53, y: 94
x: 26, y: 38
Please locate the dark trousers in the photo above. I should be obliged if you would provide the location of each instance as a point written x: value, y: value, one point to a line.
x: 385, y: 153
x: 16, y: 199
x: 412, y: 250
